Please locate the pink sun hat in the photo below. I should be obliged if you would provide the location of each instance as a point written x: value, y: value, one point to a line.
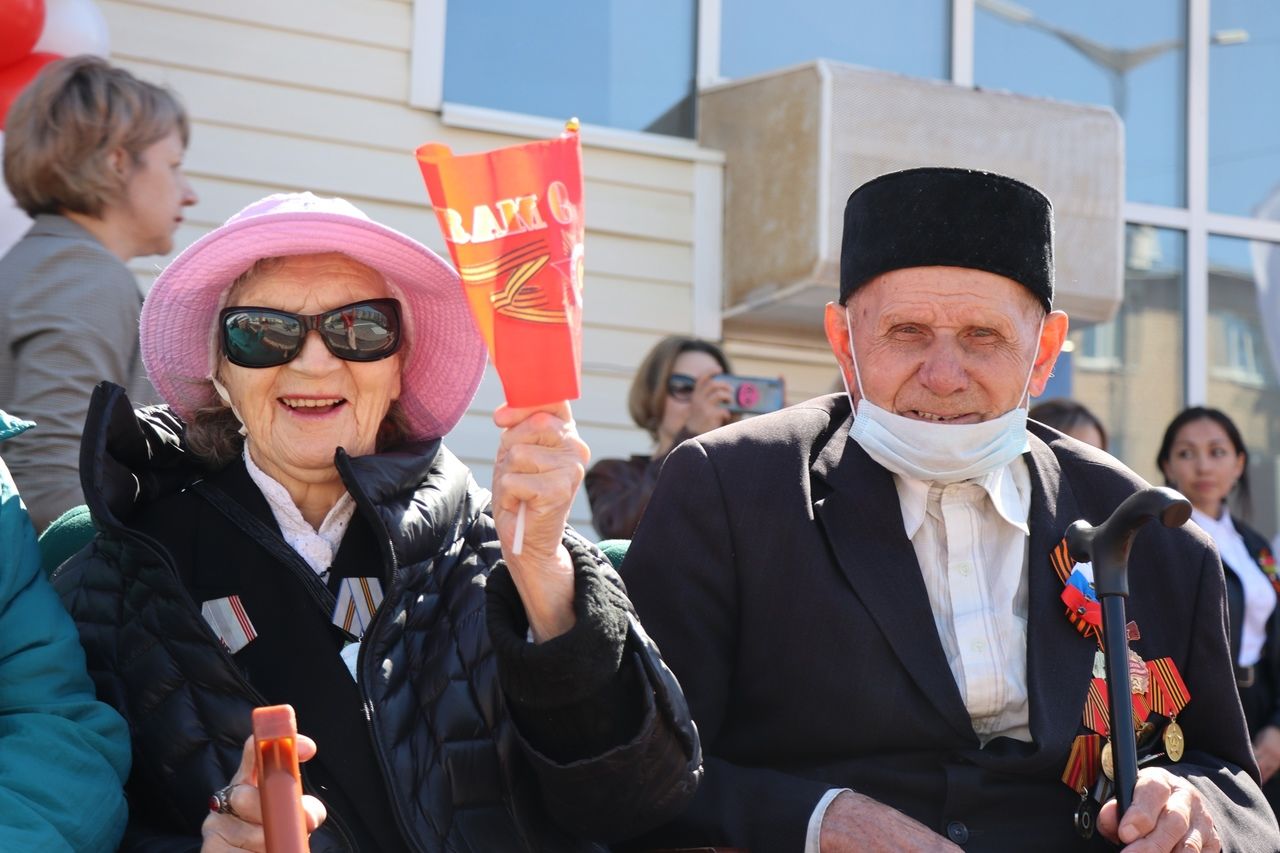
x: 444, y: 354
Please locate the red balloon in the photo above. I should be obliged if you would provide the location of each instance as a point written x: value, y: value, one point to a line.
x: 15, y: 77
x: 24, y: 21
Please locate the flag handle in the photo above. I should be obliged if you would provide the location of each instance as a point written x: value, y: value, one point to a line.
x: 517, y: 541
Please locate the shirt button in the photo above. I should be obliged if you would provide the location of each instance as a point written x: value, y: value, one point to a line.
x: 979, y: 646
x: 957, y: 832
x: 965, y: 568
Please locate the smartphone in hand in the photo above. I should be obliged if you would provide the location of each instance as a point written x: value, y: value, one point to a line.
x: 754, y: 395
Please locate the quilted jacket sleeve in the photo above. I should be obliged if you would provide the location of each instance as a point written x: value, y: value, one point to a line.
x: 601, y: 718
x: 63, y: 754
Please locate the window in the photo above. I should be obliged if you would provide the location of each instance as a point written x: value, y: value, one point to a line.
x: 1244, y: 347
x: 908, y: 36
x: 609, y: 62
x: 1099, y: 347
x: 1129, y: 370
x: 1244, y: 132
x: 1130, y: 56
x: 1239, y: 362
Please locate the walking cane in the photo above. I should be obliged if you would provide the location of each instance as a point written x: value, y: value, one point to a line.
x: 1107, y: 547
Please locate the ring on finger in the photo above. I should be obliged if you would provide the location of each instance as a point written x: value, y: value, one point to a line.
x: 220, y: 801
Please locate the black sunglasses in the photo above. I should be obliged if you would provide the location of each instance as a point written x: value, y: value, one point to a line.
x: 680, y: 386
x: 266, y: 337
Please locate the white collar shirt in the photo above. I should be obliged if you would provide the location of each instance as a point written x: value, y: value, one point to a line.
x: 971, y: 541
x: 1259, y: 595
x: 316, y: 547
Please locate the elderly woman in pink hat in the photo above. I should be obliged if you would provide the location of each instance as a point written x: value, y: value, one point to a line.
x: 290, y: 529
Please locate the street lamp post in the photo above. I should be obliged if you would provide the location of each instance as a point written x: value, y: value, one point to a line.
x: 1115, y: 62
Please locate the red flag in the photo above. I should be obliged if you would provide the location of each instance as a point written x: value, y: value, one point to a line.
x: 513, y: 219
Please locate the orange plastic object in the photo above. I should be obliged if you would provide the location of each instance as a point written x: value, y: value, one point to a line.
x: 275, y: 732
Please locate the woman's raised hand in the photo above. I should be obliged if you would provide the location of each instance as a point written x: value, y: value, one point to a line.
x: 541, y: 461
x: 238, y: 826
x: 707, y: 406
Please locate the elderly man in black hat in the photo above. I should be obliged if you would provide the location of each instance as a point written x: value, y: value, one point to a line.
x: 867, y: 600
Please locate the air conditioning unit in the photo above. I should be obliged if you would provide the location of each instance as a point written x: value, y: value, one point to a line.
x: 799, y: 140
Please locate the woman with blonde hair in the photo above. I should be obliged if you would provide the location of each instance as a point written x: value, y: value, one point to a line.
x: 94, y: 155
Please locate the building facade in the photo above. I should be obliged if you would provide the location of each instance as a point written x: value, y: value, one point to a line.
x: 333, y: 96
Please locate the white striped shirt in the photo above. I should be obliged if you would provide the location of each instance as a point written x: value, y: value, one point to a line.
x: 971, y: 540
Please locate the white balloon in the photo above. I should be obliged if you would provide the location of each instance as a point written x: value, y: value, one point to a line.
x: 72, y: 27
x: 13, y: 221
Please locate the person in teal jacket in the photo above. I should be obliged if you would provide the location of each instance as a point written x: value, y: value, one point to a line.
x: 64, y: 756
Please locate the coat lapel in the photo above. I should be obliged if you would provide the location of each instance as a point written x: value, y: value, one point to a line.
x: 863, y: 524
x: 1059, y: 659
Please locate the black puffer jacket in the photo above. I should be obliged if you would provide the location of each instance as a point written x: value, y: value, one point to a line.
x: 442, y: 666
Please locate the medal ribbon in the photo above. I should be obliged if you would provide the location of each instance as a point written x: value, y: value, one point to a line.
x: 1097, y: 716
x: 1163, y: 692
x: 1084, y: 763
x: 1169, y: 694
x: 1061, y: 561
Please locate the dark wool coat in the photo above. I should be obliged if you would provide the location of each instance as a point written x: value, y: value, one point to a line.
x: 444, y: 668
x: 794, y: 613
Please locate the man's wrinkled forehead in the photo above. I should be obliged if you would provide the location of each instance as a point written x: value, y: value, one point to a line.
x: 944, y: 296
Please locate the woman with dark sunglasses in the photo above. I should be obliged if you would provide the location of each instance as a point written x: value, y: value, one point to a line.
x: 674, y: 396
x: 290, y: 529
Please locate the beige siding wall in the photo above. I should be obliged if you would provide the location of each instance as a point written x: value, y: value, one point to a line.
x: 313, y: 94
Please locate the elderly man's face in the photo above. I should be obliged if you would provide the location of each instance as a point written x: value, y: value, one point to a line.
x: 945, y: 344
x: 297, y: 413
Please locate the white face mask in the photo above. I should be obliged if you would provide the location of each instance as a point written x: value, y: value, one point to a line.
x: 937, y: 452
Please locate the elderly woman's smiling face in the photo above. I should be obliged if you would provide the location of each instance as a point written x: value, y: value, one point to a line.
x: 296, y: 414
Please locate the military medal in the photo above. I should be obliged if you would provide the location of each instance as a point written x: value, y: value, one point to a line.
x: 1174, y: 743
x: 1139, y: 676
x: 1169, y: 695
x: 1086, y: 817
x: 1155, y: 686
x: 1080, y: 776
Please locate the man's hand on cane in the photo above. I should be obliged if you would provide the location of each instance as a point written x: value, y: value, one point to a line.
x: 1168, y: 814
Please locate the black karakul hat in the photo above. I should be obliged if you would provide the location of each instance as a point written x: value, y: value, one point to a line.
x: 948, y: 217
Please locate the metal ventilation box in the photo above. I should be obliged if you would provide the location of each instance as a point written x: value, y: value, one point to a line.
x: 799, y: 140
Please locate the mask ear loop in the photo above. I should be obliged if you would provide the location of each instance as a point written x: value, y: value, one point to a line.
x: 226, y: 398
x: 215, y: 353
x: 857, y: 375
x: 1025, y: 399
